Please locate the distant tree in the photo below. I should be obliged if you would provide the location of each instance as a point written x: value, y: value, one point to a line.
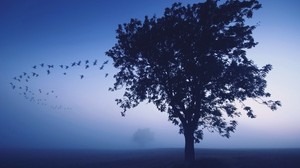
x: 192, y: 64
x: 143, y: 136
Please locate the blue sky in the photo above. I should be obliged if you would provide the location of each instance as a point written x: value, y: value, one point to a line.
x: 61, y: 32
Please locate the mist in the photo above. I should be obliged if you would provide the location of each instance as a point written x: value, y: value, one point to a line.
x: 41, y: 32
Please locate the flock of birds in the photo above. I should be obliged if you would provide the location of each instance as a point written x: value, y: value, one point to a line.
x: 21, y: 83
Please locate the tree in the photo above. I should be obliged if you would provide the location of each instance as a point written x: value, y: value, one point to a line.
x: 192, y: 64
x: 143, y: 136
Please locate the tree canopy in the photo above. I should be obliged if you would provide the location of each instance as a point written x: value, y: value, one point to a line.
x: 191, y: 63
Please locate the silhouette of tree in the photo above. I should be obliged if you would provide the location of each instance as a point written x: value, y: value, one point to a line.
x: 192, y: 64
x: 143, y: 136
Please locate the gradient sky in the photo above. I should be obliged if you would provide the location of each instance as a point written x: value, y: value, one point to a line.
x: 63, y: 31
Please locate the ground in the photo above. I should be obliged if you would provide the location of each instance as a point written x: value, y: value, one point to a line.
x: 149, y: 158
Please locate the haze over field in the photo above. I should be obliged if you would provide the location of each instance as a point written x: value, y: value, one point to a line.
x: 60, y: 32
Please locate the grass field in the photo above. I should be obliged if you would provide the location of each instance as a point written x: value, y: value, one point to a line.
x: 150, y: 158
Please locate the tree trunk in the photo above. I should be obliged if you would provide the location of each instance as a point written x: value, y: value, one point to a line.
x: 189, y: 146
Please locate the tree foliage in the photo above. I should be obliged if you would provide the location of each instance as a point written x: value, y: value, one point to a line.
x: 191, y: 63
x: 143, y: 136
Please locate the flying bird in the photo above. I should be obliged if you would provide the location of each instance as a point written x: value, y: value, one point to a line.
x: 40, y: 90
x: 87, y: 61
x: 42, y: 64
x: 95, y: 62
x: 79, y: 62
x: 24, y: 73
x: 65, y: 73
x: 105, y: 62
x: 48, y: 71
x: 87, y: 66
x: 73, y: 64
x: 67, y: 67
x: 34, y: 67
x: 61, y: 66
x: 81, y: 76
x: 102, y: 66
x: 106, y: 75
x: 50, y: 66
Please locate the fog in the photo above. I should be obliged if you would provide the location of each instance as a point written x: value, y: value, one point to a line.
x: 34, y: 32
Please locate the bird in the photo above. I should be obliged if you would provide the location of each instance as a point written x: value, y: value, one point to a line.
x: 35, y: 74
x: 81, y: 76
x: 34, y: 67
x: 67, y: 67
x: 95, y: 62
x: 61, y: 66
x: 65, y: 73
x: 106, y: 75
x: 87, y: 66
x: 42, y: 64
x: 87, y: 61
x: 40, y: 90
x: 20, y: 76
x: 102, y: 66
x: 26, y: 88
x: 13, y: 86
x: 48, y: 71
x: 26, y: 80
x: 47, y: 93
x: 79, y: 62
x: 105, y: 62
x: 15, y: 78
x: 73, y: 64
x: 52, y: 91
x: 50, y: 66
x: 24, y: 73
